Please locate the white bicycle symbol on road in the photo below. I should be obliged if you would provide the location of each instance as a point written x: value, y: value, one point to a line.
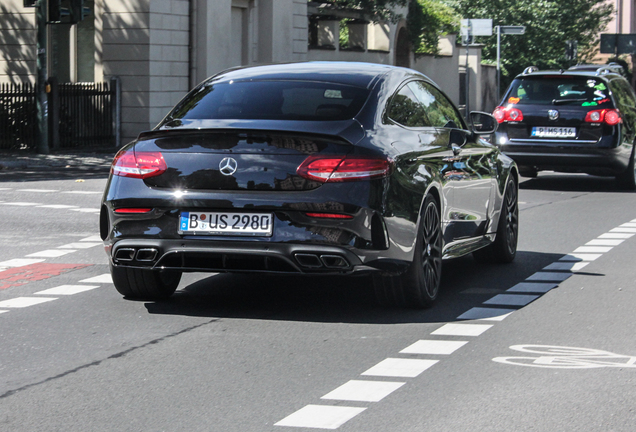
x: 567, y: 358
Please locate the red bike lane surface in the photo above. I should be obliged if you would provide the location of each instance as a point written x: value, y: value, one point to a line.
x: 34, y: 272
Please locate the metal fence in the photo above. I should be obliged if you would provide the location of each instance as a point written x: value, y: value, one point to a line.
x: 18, y: 116
x: 80, y: 115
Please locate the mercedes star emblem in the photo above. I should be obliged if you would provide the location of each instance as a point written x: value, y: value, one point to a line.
x: 553, y: 114
x: 228, y: 166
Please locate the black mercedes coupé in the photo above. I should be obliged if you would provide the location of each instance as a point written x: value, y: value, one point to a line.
x: 316, y: 168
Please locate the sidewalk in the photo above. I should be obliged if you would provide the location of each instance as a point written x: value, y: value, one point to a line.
x: 96, y: 160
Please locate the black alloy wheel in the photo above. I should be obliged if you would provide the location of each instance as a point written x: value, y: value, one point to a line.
x: 504, y: 248
x: 419, y: 285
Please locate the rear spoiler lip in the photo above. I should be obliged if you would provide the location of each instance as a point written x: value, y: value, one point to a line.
x: 350, y: 130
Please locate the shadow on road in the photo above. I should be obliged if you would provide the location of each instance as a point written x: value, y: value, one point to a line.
x: 465, y: 284
x: 571, y: 183
x: 53, y: 173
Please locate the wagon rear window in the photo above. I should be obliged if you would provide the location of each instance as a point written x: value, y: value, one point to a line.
x: 272, y: 100
x: 559, y: 90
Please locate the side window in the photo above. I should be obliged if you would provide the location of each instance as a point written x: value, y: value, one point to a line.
x: 407, y: 110
x: 623, y: 93
x: 625, y: 101
x: 440, y: 111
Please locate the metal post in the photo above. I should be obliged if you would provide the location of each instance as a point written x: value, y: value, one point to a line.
x: 40, y: 94
x: 498, y: 63
x: 467, y: 85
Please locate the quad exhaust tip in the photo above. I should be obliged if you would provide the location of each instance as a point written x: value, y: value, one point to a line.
x: 315, y: 261
x: 132, y: 254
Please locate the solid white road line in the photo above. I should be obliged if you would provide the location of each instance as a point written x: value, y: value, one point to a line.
x: 399, y: 367
x: 320, y: 417
x: 363, y: 391
x: 67, y: 289
x: 94, y: 238
x: 440, y: 347
x: 22, y: 302
x: 57, y: 206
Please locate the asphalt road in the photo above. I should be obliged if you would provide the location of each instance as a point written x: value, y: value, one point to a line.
x: 543, y: 344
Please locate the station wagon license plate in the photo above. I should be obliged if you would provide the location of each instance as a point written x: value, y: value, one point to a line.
x: 222, y: 223
x: 553, y: 132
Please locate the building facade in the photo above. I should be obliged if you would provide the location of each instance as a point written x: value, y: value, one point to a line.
x: 160, y: 49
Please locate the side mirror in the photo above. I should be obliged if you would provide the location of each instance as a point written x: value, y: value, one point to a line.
x: 482, y: 123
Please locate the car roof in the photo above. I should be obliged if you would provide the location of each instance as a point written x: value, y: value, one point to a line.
x: 348, y: 73
x: 600, y: 71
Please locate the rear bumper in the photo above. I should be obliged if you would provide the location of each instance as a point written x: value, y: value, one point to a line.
x: 601, y: 158
x: 211, y: 256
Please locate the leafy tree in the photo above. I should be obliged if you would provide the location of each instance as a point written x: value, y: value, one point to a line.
x: 426, y: 19
x: 549, y: 24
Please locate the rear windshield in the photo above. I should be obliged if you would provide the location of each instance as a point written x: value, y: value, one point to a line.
x: 559, y: 90
x: 272, y: 100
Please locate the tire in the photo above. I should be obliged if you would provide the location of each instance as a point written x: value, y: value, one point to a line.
x: 419, y: 285
x: 627, y: 179
x: 141, y: 284
x: 504, y: 248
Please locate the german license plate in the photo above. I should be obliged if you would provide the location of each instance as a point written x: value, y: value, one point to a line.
x: 222, y: 223
x: 553, y: 132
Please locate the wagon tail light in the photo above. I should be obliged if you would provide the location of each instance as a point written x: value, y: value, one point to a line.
x: 141, y: 165
x: 503, y: 114
x: 608, y: 116
x: 343, y: 168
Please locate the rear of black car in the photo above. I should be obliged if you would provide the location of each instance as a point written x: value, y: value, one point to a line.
x: 568, y: 122
x: 231, y: 180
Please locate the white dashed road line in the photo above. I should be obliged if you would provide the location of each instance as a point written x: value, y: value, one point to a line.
x: 521, y: 294
x: 22, y: 302
x: 67, y: 289
x: 400, y: 368
x: 52, y: 253
x: 320, y: 417
x: 435, y: 347
x: 363, y: 391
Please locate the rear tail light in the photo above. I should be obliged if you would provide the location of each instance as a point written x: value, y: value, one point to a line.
x: 128, y: 163
x: 329, y: 215
x: 132, y: 210
x: 343, y: 168
x: 608, y: 116
x: 503, y: 114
